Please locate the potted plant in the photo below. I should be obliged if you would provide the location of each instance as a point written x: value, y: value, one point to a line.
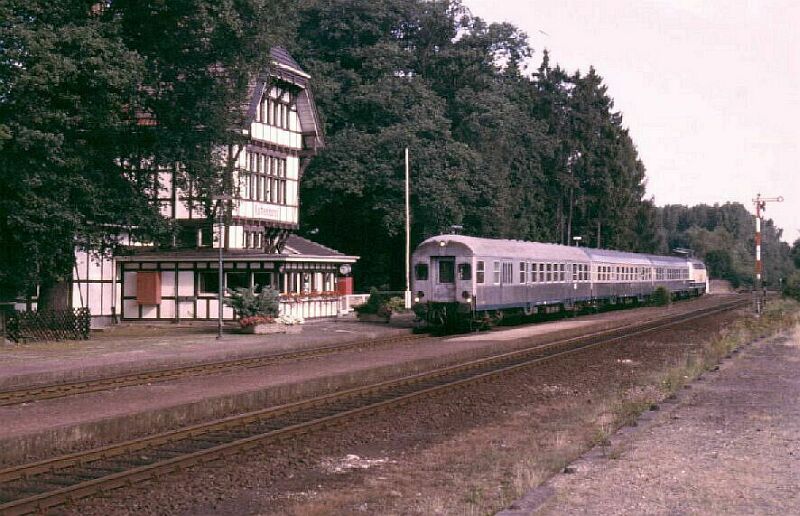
x: 259, y: 313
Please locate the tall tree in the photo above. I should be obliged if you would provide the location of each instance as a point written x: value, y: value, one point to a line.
x: 66, y: 91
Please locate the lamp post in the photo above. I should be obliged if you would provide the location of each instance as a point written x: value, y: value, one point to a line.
x: 220, y: 216
x: 407, y: 293
x: 577, y: 240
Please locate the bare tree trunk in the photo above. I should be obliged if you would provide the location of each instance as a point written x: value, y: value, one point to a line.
x: 598, y: 235
x: 569, y: 218
x: 54, y: 296
x: 560, y: 219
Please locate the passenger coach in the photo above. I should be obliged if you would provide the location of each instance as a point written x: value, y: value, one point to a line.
x: 458, y: 277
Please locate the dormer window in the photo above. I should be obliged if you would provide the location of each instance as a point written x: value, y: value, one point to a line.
x: 277, y: 108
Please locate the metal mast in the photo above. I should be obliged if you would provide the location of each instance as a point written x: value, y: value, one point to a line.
x: 407, y: 296
x: 761, y: 206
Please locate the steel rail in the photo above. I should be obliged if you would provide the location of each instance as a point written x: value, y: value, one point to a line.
x: 24, y: 489
x: 60, y: 390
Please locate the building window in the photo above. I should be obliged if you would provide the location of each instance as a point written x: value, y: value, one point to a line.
x: 479, y: 272
x: 262, y: 280
x: 276, y: 108
x: 234, y: 280
x: 264, y: 179
x: 208, y: 282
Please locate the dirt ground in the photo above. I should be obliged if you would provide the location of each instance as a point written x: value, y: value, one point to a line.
x: 473, y: 452
x: 730, y: 445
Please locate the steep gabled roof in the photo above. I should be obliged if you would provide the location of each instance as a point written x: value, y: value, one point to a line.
x: 283, y: 67
x: 280, y: 57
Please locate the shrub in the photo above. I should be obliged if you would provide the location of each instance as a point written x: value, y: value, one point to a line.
x: 247, y: 303
x: 661, y: 297
x: 381, y: 303
x: 373, y: 304
x: 791, y: 287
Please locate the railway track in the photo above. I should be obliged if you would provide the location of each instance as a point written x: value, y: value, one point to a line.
x: 60, y: 390
x: 38, y: 486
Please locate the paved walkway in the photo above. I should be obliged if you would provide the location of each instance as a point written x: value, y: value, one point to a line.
x: 138, y: 347
x: 729, y: 445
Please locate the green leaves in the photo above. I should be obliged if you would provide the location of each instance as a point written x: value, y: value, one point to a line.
x: 491, y: 148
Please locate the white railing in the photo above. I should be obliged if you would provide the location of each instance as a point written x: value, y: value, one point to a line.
x: 310, y: 307
x: 348, y: 302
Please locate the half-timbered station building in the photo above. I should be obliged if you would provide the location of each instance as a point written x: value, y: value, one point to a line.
x: 256, y: 231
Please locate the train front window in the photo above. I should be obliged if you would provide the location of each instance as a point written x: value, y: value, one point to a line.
x: 446, y: 271
x: 464, y: 272
x: 421, y: 271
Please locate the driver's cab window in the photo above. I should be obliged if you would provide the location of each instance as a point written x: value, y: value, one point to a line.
x: 464, y: 271
x: 421, y: 271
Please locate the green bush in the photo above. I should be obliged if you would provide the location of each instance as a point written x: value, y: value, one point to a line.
x: 791, y: 287
x: 661, y: 297
x: 247, y: 303
x: 381, y: 303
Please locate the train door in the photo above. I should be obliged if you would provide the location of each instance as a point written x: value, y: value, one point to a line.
x: 444, y: 280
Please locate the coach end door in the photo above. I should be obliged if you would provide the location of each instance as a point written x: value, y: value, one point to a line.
x: 444, y: 280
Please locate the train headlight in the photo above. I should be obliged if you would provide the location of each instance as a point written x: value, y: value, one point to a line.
x: 467, y: 296
x: 420, y: 295
x: 416, y: 299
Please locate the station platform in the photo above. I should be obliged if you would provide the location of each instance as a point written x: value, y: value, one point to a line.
x: 44, y: 428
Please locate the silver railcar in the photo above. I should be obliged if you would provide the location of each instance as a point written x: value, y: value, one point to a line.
x: 456, y: 275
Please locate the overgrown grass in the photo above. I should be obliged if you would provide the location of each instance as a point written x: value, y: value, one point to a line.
x: 779, y: 316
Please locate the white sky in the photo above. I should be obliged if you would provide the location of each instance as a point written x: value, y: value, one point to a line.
x: 709, y: 89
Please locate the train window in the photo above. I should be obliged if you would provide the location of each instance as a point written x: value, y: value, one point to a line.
x: 479, y: 272
x: 446, y: 272
x: 541, y: 273
x: 532, y: 268
x: 464, y: 272
x: 508, y: 273
x: 561, y: 269
x: 549, y: 276
x: 523, y: 272
x: 421, y: 271
x: 496, y: 273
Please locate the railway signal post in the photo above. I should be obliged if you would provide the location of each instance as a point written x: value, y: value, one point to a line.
x: 759, y: 296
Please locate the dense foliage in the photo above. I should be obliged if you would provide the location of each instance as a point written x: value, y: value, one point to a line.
x: 502, y: 152
x: 95, y: 97
x: 724, y: 236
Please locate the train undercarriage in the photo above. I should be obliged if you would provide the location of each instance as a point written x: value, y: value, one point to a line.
x: 456, y: 317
